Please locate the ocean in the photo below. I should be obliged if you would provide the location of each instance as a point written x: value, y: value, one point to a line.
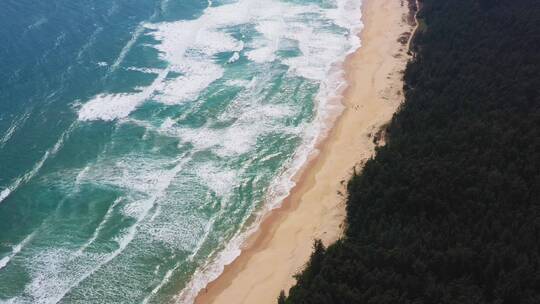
x: 142, y: 140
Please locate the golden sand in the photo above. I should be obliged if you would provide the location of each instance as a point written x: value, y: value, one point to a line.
x: 316, y: 207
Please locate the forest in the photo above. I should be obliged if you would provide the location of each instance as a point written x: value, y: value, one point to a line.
x: 448, y: 211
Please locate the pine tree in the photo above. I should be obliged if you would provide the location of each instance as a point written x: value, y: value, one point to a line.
x: 281, y: 299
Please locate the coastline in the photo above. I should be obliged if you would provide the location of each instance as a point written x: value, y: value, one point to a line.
x: 315, y: 207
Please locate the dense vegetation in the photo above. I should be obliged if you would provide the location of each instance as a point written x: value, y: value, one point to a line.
x: 449, y: 210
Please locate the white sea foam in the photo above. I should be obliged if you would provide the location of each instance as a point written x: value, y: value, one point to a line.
x: 272, y: 28
x: 15, y: 125
x: 251, y: 122
x: 195, y: 51
x: 168, y: 123
x: 114, y: 106
x: 38, y: 23
x: 144, y: 70
x: 57, y: 272
x: 80, y: 176
x: 7, y: 191
x: 139, y: 176
x: 166, y: 278
x: 319, y: 45
x: 319, y: 61
x: 100, y: 226
x: 213, y: 268
x: 111, y: 106
x: 196, y: 76
x: 88, y: 44
x: 162, y: 283
x: 125, y: 50
x: 15, y: 250
x: 235, y: 56
x: 220, y: 180
x: 237, y: 83
x: 207, y: 230
x: 260, y: 55
x: 21, y: 180
x: 113, y: 9
x: 190, y: 49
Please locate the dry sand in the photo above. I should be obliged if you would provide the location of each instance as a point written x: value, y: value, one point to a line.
x: 315, y: 208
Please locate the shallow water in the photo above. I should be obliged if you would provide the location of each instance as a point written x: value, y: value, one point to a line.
x: 138, y: 138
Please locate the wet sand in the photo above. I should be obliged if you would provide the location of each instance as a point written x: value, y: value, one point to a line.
x: 315, y: 209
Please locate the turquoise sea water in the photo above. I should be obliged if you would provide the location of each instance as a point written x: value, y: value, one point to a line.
x: 140, y: 140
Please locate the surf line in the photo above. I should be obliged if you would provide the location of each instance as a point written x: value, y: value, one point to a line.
x: 134, y: 37
x: 25, y: 178
x: 16, y: 249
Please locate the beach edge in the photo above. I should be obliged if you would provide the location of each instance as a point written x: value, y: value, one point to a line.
x: 315, y: 208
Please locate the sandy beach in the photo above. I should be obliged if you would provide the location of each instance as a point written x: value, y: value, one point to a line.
x: 316, y: 207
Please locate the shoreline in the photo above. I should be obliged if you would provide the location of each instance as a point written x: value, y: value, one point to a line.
x: 315, y: 207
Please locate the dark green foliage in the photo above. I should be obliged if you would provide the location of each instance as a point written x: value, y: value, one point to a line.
x: 449, y: 210
x: 281, y: 299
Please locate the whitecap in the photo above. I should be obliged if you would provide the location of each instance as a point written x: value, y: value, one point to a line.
x: 17, y: 182
x: 145, y: 70
x: 127, y: 47
x: 114, y: 106
x: 260, y: 55
x: 222, y: 181
x: 15, y: 250
x: 235, y: 56
x: 15, y: 125
x: 100, y: 226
